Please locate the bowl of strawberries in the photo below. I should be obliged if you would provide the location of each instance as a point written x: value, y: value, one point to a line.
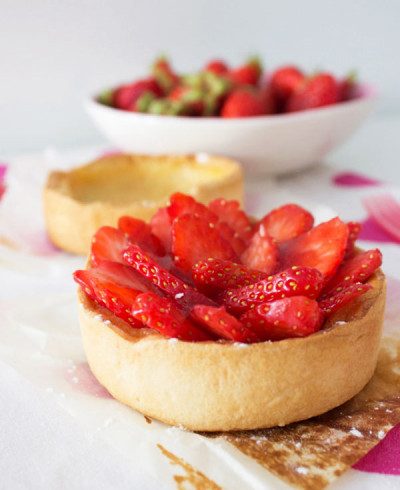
x: 273, y: 122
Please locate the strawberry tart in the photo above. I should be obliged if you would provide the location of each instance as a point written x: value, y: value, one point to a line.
x: 210, y: 320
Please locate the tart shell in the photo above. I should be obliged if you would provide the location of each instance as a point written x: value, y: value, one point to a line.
x: 224, y: 386
x: 78, y: 202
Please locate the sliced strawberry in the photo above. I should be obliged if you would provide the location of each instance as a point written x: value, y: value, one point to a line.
x: 214, y: 275
x: 287, y: 222
x: 183, y: 204
x: 114, y: 286
x: 229, y: 212
x: 322, y: 248
x: 336, y: 301
x: 357, y: 269
x: 295, y: 281
x: 184, y: 295
x: 354, y: 231
x: 297, y: 316
x: 194, y: 239
x: 238, y: 245
x: 163, y: 315
x: 140, y: 233
x: 161, y: 227
x: 219, y: 322
x: 261, y: 253
x: 108, y: 243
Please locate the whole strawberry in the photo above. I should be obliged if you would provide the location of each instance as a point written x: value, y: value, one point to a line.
x: 243, y: 102
x: 320, y: 90
x: 219, y: 67
x: 126, y: 96
x: 164, y: 74
x: 247, y: 74
x: 285, y: 81
x: 190, y: 98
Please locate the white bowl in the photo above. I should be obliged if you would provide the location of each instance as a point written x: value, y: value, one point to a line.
x: 264, y: 144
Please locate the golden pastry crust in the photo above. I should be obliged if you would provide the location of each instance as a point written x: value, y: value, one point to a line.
x: 78, y: 202
x: 223, y: 386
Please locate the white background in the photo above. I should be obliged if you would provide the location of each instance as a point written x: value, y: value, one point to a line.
x: 53, y: 53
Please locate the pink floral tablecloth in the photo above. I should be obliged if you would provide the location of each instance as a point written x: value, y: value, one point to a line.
x: 60, y: 428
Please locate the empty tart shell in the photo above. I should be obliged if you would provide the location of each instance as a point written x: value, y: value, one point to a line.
x: 78, y: 202
x: 223, y: 386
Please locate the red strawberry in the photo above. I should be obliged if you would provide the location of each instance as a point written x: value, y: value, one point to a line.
x: 317, y: 91
x: 285, y: 81
x: 247, y: 74
x: 297, y: 316
x: 354, y: 231
x: 357, y: 269
x: 269, y: 100
x: 163, y: 315
x: 348, y: 86
x: 108, y: 243
x: 140, y: 233
x: 261, y: 253
x: 333, y: 303
x: 287, y: 222
x: 219, y: 322
x: 161, y: 227
x: 243, y: 102
x: 184, y: 295
x: 165, y: 76
x: 190, y: 98
x: 214, y: 275
x: 295, y: 281
x: 113, y: 286
x: 125, y: 96
x: 229, y: 212
x: 183, y: 204
x: 219, y: 67
x: 231, y: 237
x: 194, y: 238
x: 322, y: 248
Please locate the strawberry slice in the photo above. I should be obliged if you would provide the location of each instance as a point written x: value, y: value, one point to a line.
x: 140, y: 233
x: 113, y: 286
x: 295, y: 281
x: 229, y: 212
x: 322, y: 248
x: 357, y: 269
x: 336, y: 301
x: 194, y: 238
x: 214, y: 275
x: 218, y: 321
x: 287, y: 222
x: 108, y: 243
x: 184, y: 295
x: 261, y: 253
x: 161, y: 228
x: 297, y: 316
x: 164, y: 316
x: 354, y: 231
x: 181, y: 204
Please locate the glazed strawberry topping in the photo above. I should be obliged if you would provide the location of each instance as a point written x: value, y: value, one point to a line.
x: 200, y: 272
x: 261, y: 253
x: 114, y: 286
x: 331, y: 304
x: 164, y: 316
x: 195, y: 238
x: 322, y: 247
x: 354, y: 270
x: 297, y: 316
x: 294, y: 281
x: 171, y: 285
x: 214, y: 275
x: 219, y: 322
x: 287, y: 222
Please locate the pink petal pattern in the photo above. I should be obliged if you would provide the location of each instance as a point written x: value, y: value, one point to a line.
x: 352, y: 179
x: 385, y: 211
x: 385, y: 457
x: 371, y: 231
